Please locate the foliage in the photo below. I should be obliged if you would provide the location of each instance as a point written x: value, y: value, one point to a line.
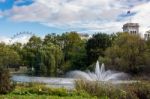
x: 101, y: 89
x: 45, y: 57
x: 8, y: 57
x: 128, y: 91
x: 128, y: 53
x: 6, y: 85
x: 51, y: 57
x: 57, y: 54
x: 140, y: 89
x: 74, y: 51
x: 31, y: 53
x: 96, y: 46
x: 33, y: 89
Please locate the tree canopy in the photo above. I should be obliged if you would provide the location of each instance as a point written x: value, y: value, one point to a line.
x: 97, y: 45
x: 128, y: 53
x: 54, y: 55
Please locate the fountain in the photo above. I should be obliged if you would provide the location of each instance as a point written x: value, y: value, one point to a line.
x: 99, y: 75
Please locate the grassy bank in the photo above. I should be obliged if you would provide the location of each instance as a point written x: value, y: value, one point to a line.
x: 40, y: 91
x: 84, y: 90
x: 12, y: 96
x: 138, y: 90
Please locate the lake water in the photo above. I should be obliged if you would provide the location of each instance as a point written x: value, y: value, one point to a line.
x: 49, y: 81
x: 67, y: 83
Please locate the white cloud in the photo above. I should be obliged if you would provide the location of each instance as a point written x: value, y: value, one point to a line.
x: 23, y: 39
x: 1, y: 14
x: 82, y: 15
x: 142, y: 16
x: 4, y: 39
x: 8, y: 40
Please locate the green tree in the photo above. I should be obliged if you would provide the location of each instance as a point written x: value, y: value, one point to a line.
x: 53, y: 38
x: 5, y: 83
x: 52, y: 56
x: 97, y: 45
x: 18, y: 48
x: 74, y: 51
x: 8, y: 57
x: 31, y: 53
x: 128, y: 53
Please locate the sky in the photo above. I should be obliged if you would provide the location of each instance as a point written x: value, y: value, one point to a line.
x: 58, y: 16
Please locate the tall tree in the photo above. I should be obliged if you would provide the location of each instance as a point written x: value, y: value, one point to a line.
x: 74, y: 51
x: 31, y: 53
x: 97, y: 45
x: 128, y: 53
x: 8, y: 56
x: 51, y: 57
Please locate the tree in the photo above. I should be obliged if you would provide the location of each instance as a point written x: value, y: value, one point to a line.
x: 8, y: 57
x: 5, y: 83
x: 74, y: 51
x: 51, y: 57
x: 128, y: 53
x: 97, y: 45
x: 31, y: 53
x: 18, y: 48
x: 79, y: 58
x: 53, y: 38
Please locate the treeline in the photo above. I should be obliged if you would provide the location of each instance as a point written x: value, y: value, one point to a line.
x: 57, y: 54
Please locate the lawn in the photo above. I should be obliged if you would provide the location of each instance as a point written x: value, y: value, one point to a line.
x: 44, y: 97
x: 83, y: 90
x: 40, y: 91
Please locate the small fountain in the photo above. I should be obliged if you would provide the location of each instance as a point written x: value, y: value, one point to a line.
x: 99, y: 75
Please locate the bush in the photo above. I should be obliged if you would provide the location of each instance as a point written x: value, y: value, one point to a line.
x: 141, y: 90
x: 41, y: 89
x: 100, y: 89
x: 131, y: 91
x: 6, y: 85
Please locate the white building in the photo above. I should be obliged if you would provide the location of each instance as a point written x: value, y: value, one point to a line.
x: 84, y: 36
x: 147, y: 35
x: 132, y: 28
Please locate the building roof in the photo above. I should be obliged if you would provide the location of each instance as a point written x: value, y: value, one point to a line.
x: 148, y: 31
x: 131, y: 24
x: 83, y: 34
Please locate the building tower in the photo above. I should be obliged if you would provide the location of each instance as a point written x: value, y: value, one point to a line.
x: 132, y: 28
x: 147, y: 35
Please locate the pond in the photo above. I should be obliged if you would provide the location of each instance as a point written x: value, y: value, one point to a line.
x: 49, y: 81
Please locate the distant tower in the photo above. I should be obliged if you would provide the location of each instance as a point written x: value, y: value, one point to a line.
x: 132, y: 28
x: 147, y: 35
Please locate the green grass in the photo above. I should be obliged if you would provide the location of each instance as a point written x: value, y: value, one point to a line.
x: 40, y: 91
x: 43, y: 97
x: 84, y: 90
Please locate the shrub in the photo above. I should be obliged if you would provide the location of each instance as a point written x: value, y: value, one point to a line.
x: 129, y: 91
x: 6, y: 85
x: 100, y: 89
x: 139, y: 89
x: 41, y: 89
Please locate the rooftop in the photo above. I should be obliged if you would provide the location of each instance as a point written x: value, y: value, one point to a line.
x: 148, y: 31
x: 131, y: 24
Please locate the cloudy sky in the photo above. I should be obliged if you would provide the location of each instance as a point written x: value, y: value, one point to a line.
x: 58, y: 16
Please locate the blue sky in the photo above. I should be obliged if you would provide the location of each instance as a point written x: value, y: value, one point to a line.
x: 58, y: 16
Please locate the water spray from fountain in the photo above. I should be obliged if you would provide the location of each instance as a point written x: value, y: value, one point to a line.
x: 100, y: 74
